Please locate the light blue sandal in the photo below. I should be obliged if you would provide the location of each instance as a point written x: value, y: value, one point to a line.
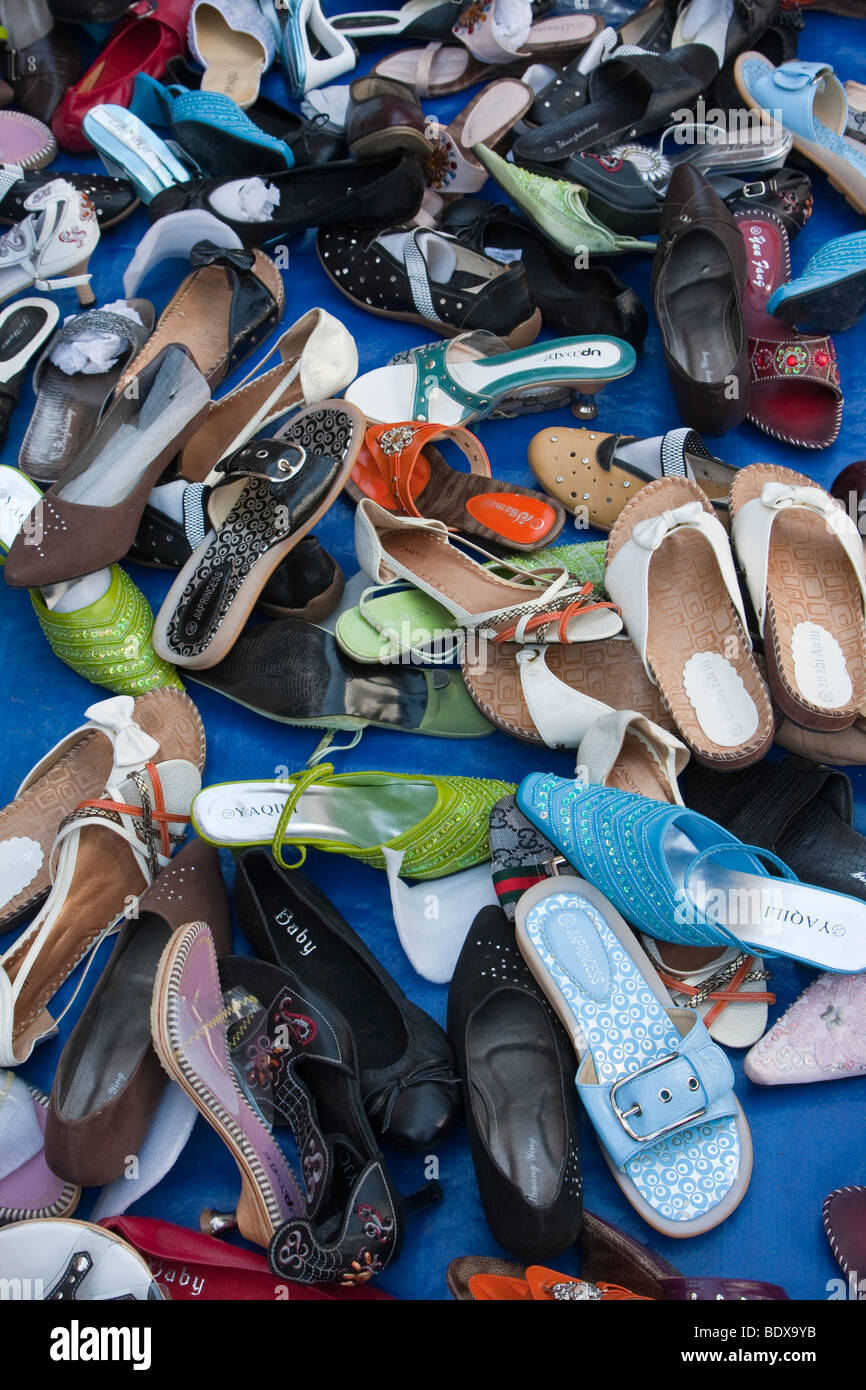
x: 214, y: 131
x: 810, y: 102
x: 658, y: 1090
x: 131, y: 150
x: 830, y: 295
x: 679, y: 877
x: 475, y: 375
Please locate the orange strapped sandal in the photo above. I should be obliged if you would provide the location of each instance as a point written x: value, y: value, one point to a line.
x: 542, y: 1285
x: 399, y: 468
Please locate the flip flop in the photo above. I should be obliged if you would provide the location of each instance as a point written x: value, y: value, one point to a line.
x: 670, y: 570
x: 553, y: 695
x: 271, y: 494
x: 794, y: 393
x: 830, y: 294
x: 658, y: 1091
x: 95, y: 349
x: 786, y: 530
x: 398, y: 468
x: 440, y: 69
x: 811, y: 103
x: 595, y: 474
x: 454, y: 382
x: 295, y: 673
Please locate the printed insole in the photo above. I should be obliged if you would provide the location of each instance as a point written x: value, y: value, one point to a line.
x: 234, y: 61
x: 363, y: 815
x: 773, y: 916
x: 684, y: 1175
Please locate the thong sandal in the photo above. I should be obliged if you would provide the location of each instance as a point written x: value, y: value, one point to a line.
x: 670, y: 570
x: 486, y: 44
x: 440, y: 822
x: 785, y: 530
x: 794, y: 393
x: 454, y: 382
x: 553, y: 695
x: 317, y: 359
x: 295, y: 673
x: 662, y: 1106
x: 74, y: 382
x: 223, y: 309
x: 398, y: 468
x: 539, y: 606
x: 595, y: 474
x: 270, y: 495
x: 810, y: 101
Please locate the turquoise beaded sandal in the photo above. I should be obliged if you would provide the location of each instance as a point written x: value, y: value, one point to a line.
x: 658, y: 1091
x: 679, y: 877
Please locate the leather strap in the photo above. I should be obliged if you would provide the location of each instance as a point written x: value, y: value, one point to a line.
x: 561, y: 714
x: 396, y: 450
x: 720, y: 1290
x: 802, y: 359
x: 276, y: 463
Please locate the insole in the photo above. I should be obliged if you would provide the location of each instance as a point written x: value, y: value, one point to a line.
x: 773, y: 916
x: 698, y: 291
x: 453, y: 575
x: 637, y: 769
x: 705, y: 21
x: 684, y: 1175
x: 516, y: 1082
x: 234, y: 60
x: 65, y: 416
x: 19, y: 327
x: 120, y: 1032
x: 360, y: 815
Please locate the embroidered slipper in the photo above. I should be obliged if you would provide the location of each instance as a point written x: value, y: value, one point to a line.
x: 553, y: 695
x: 671, y: 572
x: 271, y: 494
x: 794, y: 394
x: 596, y: 474
x: 28, y: 1188
x: 399, y: 468
x: 658, y: 1091
x: 786, y: 529
x: 820, y: 1037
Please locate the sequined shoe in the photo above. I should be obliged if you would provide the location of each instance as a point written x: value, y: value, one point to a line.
x: 821, y: 1037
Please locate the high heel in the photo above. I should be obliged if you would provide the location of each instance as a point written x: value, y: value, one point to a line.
x: 45, y: 249
x: 80, y: 277
x: 295, y: 20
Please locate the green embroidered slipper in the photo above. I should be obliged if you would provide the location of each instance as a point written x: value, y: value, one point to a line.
x: 109, y: 641
x: 396, y: 622
x: 558, y: 208
x: 439, y: 823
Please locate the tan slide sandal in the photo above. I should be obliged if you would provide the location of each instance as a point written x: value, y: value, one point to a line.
x: 235, y: 45
x: 596, y: 474
x: 670, y: 570
x: 802, y: 556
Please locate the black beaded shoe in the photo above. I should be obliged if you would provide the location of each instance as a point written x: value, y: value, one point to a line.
x: 517, y: 1067
x: 406, y: 1067
x: 113, y: 199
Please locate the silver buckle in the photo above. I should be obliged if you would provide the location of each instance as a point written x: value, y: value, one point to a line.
x: 398, y: 438
x: 754, y: 190
x: 623, y: 1115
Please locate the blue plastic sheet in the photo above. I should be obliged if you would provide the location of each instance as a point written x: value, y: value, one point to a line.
x: 807, y: 1139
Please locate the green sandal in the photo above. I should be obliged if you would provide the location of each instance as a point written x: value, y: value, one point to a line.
x: 440, y: 823
x: 109, y: 641
x: 558, y: 208
x: 396, y: 622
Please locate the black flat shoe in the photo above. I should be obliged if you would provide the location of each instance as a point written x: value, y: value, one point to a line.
x: 112, y: 199
x: 517, y: 1067
x: 593, y: 300
x: 311, y: 142
x: 406, y: 1067
x: 376, y: 192
x: 802, y: 811
x: 294, y: 1055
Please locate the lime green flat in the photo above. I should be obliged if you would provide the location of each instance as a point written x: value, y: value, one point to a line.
x: 558, y: 208
x: 109, y: 641
x: 396, y: 622
x: 440, y: 823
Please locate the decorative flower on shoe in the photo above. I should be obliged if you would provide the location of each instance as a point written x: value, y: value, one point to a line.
x: 472, y: 17
x: 441, y: 166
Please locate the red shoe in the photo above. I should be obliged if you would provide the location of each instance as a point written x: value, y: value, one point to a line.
x: 143, y: 43
x: 188, y: 1265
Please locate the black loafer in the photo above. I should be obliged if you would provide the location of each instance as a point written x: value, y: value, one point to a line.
x: 595, y: 301
x: 517, y: 1067
x: 408, y: 1079
x: 378, y: 192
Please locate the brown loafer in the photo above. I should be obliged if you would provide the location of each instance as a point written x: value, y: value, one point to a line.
x: 109, y: 1079
x: 384, y: 115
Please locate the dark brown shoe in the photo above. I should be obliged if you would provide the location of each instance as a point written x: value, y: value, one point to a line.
x: 384, y: 115
x: 698, y: 278
x: 109, y: 1079
x: 41, y: 73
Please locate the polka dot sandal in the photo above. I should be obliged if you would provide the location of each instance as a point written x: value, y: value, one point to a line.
x: 657, y: 1089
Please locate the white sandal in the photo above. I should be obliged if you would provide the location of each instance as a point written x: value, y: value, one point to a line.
x: 297, y: 20
x: 57, y: 237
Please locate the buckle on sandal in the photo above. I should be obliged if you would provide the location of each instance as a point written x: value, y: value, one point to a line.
x: 753, y: 190
x: 398, y: 438
x: 624, y: 1115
